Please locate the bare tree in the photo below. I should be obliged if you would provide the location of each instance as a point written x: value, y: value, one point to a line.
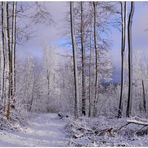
x: 83, y: 63
x: 8, y: 19
x: 144, y: 100
x: 96, y: 60
x: 130, y: 69
x: 6, y: 49
x: 74, y: 61
x: 2, y: 57
x: 123, y: 40
x: 90, y: 77
x: 13, y: 48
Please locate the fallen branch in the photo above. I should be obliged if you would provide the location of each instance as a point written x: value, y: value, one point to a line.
x: 141, y: 129
x: 108, y: 131
x: 139, y: 121
x: 122, y: 127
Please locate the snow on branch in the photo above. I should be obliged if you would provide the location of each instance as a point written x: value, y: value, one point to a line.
x: 137, y: 120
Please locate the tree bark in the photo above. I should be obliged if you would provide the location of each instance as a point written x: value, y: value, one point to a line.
x: 13, y: 48
x: 48, y: 83
x: 144, y: 100
x: 9, y: 45
x: 130, y: 67
x: 2, y: 57
x: 90, y: 79
x: 123, y: 22
x: 96, y: 62
x: 76, y: 108
x: 6, y: 49
x: 83, y: 63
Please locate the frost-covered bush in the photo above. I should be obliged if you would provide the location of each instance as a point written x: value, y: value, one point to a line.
x: 104, y: 131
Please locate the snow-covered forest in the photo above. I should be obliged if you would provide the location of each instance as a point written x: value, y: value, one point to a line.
x: 73, y: 73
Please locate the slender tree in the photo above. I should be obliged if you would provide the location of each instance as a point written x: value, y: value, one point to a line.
x: 6, y: 49
x: 83, y: 63
x: 13, y: 47
x: 2, y: 55
x: 96, y: 60
x: 144, y: 100
x: 8, y: 56
x: 130, y: 69
x: 90, y: 77
x: 76, y: 109
x: 123, y: 40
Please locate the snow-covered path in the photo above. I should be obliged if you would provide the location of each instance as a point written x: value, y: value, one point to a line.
x: 43, y: 130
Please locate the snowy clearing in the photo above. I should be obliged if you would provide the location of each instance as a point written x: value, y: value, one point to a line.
x: 42, y: 130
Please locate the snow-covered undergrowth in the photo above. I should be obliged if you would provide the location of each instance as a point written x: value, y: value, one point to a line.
x: 15, y: 123
x: 103, y: 131
x: 51, y: 129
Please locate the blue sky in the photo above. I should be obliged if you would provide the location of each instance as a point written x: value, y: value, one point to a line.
x: 55, y: 34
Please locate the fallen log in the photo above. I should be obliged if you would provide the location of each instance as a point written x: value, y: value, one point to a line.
x: 135, y: 120
x: 138, y: 121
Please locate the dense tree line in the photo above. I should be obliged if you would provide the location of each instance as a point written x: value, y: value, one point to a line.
x: 79, y: 82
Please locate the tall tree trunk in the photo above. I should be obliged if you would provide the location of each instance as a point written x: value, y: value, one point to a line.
x: 123, y: 22
x: 2, y: 71
x: 2, y: 57
x: 13, y: 48
x: 96, y: 62
x: 144, y: 100
x: 83, y: 63
x: 76, y: 109
x: 130, y: 67
x: 90, y: 79
x: 9, y: 45
x: 10, y: 63
x: 6, y: 49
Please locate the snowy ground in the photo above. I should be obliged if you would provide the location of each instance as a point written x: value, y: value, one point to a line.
x: 42, y: 130
x: 49, y: 130
x: 103, y: 131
